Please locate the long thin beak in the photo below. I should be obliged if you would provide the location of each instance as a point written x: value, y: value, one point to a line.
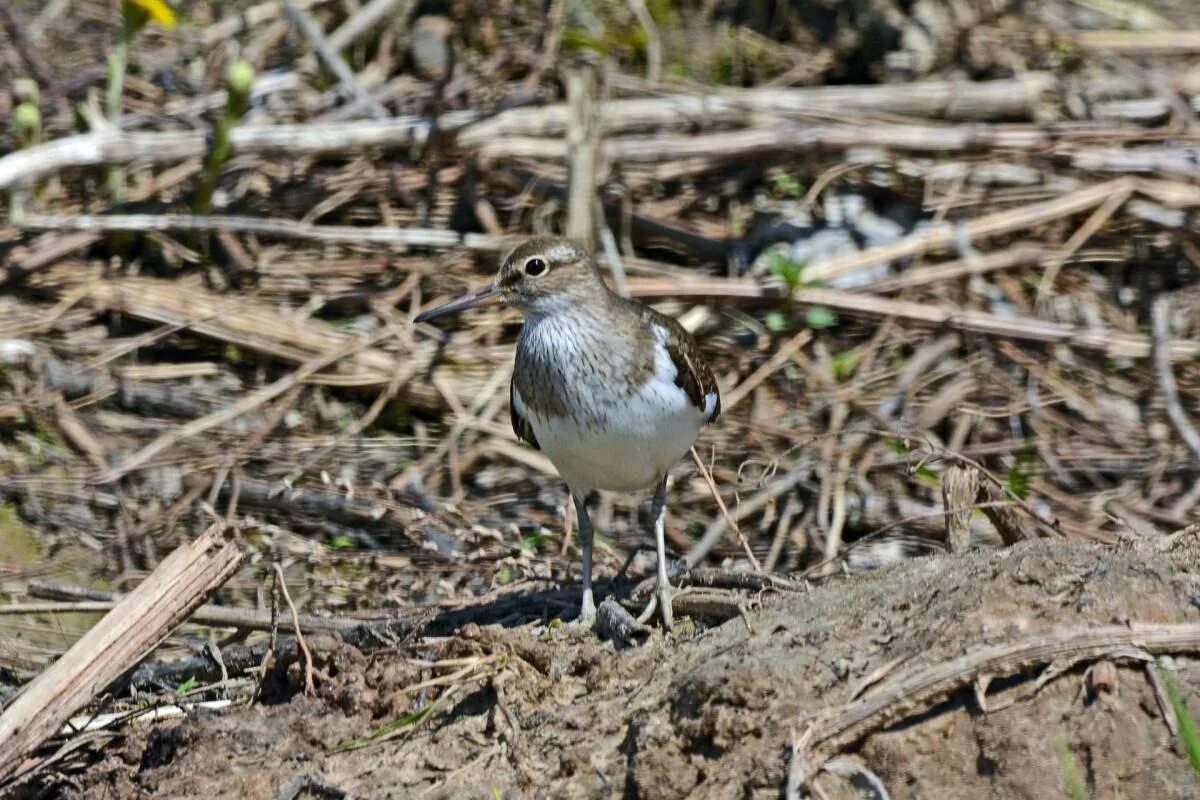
x: 487, y: 294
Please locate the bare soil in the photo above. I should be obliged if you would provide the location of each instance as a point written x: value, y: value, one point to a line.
x: 711, y: 712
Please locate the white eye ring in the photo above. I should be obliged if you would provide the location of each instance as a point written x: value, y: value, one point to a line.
x: 535, y: 267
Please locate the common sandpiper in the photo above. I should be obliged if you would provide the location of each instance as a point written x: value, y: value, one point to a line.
x: 612, y: 391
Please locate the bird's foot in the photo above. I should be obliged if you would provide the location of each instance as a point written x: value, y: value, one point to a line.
x: 660, y: 601
x: 587, y: 613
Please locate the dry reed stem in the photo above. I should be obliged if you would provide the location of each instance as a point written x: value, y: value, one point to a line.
x: 123, y: 637
x: 946, y: 237
x: 246, y: 404
x: 956, y: 100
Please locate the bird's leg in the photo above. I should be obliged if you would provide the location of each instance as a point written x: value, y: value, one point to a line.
x: 587, y: 609
x: 662, y: 589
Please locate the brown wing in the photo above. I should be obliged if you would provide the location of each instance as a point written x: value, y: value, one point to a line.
x: 520, y: 424
x: 692, y: 373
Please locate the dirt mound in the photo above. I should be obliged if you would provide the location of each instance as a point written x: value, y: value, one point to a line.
x: 531, y: 712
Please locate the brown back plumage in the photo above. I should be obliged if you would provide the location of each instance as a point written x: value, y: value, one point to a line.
x: 692, y: 373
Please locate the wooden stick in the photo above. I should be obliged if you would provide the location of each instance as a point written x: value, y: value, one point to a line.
x: 312, y: 31
x: 726, y: 146
x: 246, y: 403
x: 918, y: 689
x: 74, y: 599
x: 264, y: 226
x: 1116, y: 344
x: 132, y: 629
x: 1140, y: 42
x: 1086, y: 231
x: 1160, y: 325
x: 122, y: 147
x: 945, y: 237
x: 956, y: 100
x: 582, y: 146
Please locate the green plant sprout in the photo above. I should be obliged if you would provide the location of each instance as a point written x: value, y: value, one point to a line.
x: 1187, y: 726
x: 238, y: 83
x: 134, y: 16
x: 1069, y: 767
x: 27, y: 118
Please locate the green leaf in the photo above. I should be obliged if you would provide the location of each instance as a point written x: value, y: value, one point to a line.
x: 575, y: 40
x: 784, y: 184
x: 819, y: 318
x: 531, y: 542
x: 386, y: 730
x: 1069, y: 767
x: 186, y: 686
x: 341, y: 542
x: 783, y: 267
x: 842, y: 365
x: 927, y: 477
x: 1187, y: 725
x: 776, y: 322
x: 1021, y: 474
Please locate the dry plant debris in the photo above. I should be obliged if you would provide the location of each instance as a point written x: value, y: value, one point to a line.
x: 943, y: 257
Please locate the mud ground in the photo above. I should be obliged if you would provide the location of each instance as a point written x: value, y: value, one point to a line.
x: 710, y: 713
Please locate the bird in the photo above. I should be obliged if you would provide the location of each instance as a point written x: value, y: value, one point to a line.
x: 613, y: 392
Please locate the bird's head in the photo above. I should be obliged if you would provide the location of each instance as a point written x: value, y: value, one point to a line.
x: 540, y: 277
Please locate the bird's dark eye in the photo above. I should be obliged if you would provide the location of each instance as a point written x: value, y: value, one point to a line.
x: 535, y: 267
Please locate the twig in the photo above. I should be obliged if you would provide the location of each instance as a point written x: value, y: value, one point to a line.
x: 1114, y: 343
x: 780, y: 357
x: 688, y: 154
x: 1160, y: 325
x: 329, y: 55
x: 281, y: 585
x: 612, y: 256
x: 946, y: 237
x: 122, y: 147
x: 1160, y: 696
x: 78, y: 599
x: 88, y: 606
x: 837, y: 517
x: 712, y: 533
x: 582, y: 142
x: 550, y: 43
x: 283, y: 228
x: 1168, y: 42
x: 364, y: 20
x: 997, y: 507
x: 733, y: 526
x: 1086, y: 231
x: 1020, y: 255
x: 653, y: 39
x: 231, y: 412
x: 926, y: 686
x: 961, y: 100
x: 960, y: 488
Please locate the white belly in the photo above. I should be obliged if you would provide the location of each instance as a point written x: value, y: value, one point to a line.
x: 641, y: 441
x: 603, y: 436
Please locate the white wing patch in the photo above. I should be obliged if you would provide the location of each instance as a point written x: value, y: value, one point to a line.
x: 519, y: 403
